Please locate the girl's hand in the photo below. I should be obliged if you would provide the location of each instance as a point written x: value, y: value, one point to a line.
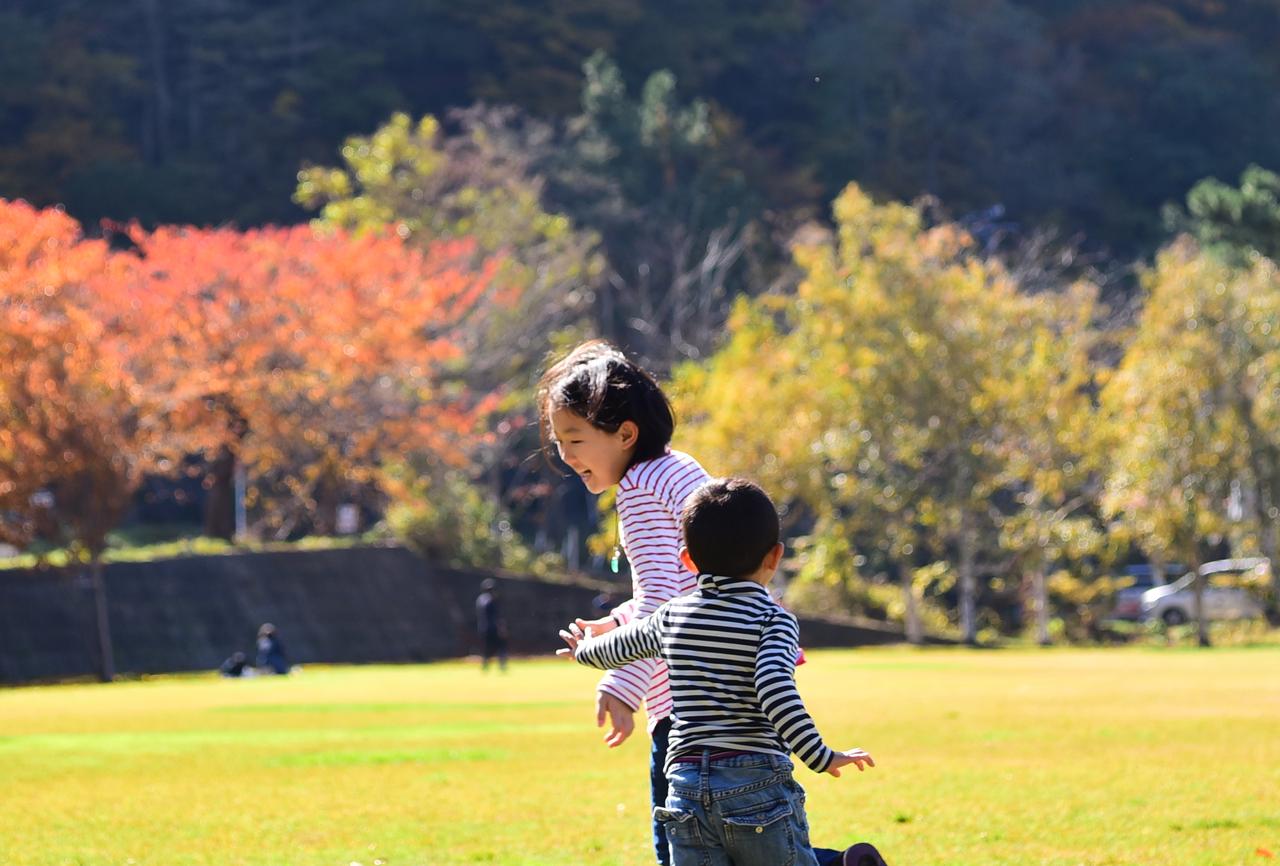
x: 596, y: 626
x: 620, y: 715
x: 853, y: 756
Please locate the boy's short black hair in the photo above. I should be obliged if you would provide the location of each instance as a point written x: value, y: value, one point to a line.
x: 597, y: 382
x: 729, y: 525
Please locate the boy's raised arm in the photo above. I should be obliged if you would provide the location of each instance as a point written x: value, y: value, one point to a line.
x: 636, y: 640
x: 776, y: 685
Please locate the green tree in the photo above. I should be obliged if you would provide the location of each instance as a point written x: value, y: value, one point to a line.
x: 58, y: 92
x: 1166, y: 94
x: 664, y: 181
x: 950, y: 99
x: 477, y: 183
x: 1233, y: 221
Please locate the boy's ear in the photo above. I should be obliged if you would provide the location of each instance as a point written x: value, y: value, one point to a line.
x: 688, y: 560
x: 773, y: 558
x: 629, y: 434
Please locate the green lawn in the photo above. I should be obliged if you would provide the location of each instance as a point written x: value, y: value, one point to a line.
x: 1138, y: 756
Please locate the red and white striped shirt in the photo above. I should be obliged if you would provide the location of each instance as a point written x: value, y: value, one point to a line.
x: 650, y: 497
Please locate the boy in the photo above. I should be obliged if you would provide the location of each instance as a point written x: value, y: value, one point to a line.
x: 730, y: 650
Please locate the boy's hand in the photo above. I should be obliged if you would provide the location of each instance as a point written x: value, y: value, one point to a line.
x: 621, y: 718
x: 567, y: 652
x: 573, y: 636
x: 853, y: 756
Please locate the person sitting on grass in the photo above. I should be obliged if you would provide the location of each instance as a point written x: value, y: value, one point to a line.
x: 731, y: 653
x: 235, y: 665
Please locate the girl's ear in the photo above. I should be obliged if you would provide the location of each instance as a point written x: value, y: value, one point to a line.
x: 629, y: 434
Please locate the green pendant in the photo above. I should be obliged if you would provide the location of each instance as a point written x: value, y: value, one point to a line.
x: 613, y: 560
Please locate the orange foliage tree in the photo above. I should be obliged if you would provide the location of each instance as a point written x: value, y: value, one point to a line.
x: 307, y: 358
x: 75, y: 434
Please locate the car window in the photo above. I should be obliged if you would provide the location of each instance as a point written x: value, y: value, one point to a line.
x: 1144, y: 577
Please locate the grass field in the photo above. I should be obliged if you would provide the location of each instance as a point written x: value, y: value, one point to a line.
x: 1062, y: 757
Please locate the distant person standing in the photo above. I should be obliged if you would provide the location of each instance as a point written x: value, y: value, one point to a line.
x: 271, y: 657
x: 491, y: 626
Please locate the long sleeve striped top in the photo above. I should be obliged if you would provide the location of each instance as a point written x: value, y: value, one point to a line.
x: 731, y: 650
x: 650, y: 498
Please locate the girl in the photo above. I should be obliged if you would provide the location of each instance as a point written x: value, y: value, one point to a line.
x: 609, y: 422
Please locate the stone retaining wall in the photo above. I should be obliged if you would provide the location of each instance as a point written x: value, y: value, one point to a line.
x: 372, y: 604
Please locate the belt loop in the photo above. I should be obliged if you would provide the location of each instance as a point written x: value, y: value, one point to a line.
x: 704, y: 778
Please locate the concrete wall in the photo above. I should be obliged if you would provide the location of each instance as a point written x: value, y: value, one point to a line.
x: 374, y: 604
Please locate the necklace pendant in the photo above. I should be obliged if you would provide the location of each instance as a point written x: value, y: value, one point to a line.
x: 613, y: 560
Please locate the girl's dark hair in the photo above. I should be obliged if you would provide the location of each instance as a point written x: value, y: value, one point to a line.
x: 599, y: 383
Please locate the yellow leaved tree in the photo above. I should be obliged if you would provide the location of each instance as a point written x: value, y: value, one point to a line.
x: 1196, y: 403
x: 891, y: 400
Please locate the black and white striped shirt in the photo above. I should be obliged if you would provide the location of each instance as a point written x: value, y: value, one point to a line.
x: 731, y: 653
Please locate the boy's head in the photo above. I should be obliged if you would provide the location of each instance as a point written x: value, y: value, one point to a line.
x: 731, y: 529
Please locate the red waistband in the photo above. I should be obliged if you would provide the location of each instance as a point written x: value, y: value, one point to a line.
x: 696, y: 757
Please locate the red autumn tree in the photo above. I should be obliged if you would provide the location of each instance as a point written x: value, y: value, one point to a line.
x: 74, y: 436
x: 307, y: 359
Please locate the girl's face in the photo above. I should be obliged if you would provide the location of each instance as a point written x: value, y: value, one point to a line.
x: 600, y: 458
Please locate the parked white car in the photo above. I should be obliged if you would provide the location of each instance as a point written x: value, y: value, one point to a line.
x: 1138, y: 579
x: 1224, y: 597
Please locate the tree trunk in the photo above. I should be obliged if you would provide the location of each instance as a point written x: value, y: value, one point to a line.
x: 240, y: 488
x: 1267, y: 543
x: 219, y: 503
x: 328, y: 495
x: 1041, y: 601
x: 157, y: 50
x: 911, y: 617
x: 1269, y: 551
x: 968, y: 588
x: 1264, y: 464
x: 605, y: 295
x: 106, y: 658
x: 1202, y: 622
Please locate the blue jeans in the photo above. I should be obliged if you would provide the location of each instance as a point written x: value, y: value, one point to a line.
x: 744, y: 810
x: 658, y: 791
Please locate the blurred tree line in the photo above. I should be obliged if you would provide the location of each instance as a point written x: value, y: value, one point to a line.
x: 971, y: 420
x: 1085, y: 115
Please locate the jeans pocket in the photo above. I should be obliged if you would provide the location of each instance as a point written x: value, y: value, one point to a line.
x: 801, y: 813
x: 762, y: 836
x: 681, y: 827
